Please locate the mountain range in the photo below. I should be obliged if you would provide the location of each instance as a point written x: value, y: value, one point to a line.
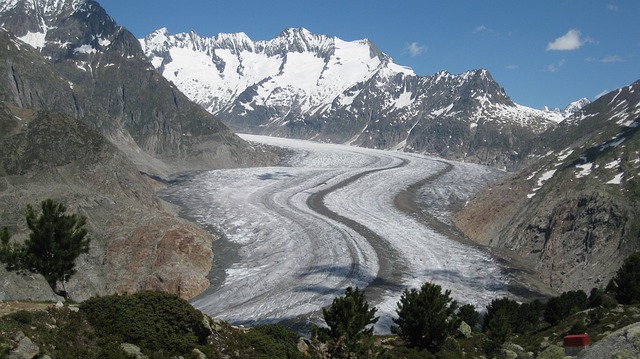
x: 569, y: 206
x: 129, y: 103
x: 95, y: 118
x: 322, y: 88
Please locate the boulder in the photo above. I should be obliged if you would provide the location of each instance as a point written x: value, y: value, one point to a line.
x: 623, y: 343
x: 26, y: 348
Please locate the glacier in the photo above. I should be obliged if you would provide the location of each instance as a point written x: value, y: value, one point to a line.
x: 302, y: 232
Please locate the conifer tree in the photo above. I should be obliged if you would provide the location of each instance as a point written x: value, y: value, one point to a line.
x: 426, y: 317
x: 625, y: 285
x: 349, y: 319
x: 56, y: 240
x: 468, y: 314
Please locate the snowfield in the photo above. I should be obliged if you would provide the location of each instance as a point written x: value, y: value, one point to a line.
x: 301, y: 234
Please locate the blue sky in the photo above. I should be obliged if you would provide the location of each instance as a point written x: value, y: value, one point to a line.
x: 543, y: 52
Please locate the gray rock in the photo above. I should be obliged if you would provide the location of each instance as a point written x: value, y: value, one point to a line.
x: 28, y: 287
x: 509, y: 354
x: 623, y: 343
x: 206, y: 321
x: 199, y: 354
x: 26, y: 348
x: 465, y: 330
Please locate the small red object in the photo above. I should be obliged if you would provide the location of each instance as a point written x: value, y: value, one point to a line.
x: 577, y: 340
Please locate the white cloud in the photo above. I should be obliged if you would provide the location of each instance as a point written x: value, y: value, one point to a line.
x: 572, y: 40
x: 612, y: 7
x: 416, y: 49
x: 555, y: 67
x: 480, y: 28
x: 512, y: 67
x: 607, y: 59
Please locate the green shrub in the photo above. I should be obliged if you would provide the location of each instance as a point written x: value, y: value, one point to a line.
x: 22, y: 316
x: 112, y: 350
x: 410, y: 353
x: 154, y: 321
x: 578, y: 328
x: 559, y: 308
x: 520, y: 317
x: 55, y: 241
x: 273, y: 341
x: 498, y: 330
x: 350, y: 321
x: 450, y: 350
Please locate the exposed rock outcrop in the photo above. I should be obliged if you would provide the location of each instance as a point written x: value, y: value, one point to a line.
x: 136, y: 243
x: 622, y: 344
x: 574, y: 211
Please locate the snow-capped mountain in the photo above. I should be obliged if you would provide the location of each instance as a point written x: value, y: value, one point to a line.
x: 297, y: 69
x: 571, y: 109
x: 576, y: 106
x: 82, y: 114
x: 32, y: 20
x: 116, y: 89
x: 323, y: 88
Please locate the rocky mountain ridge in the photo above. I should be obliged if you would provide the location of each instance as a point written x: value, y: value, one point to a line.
x: 82, y: 114
x: 574, y: 210
x: 318, y: 87
x: 138, y: 110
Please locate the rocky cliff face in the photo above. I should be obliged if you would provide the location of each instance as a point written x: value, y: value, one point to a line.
x: 160, y: 129
x: 136, y: 243
x: 318, y: 87
x: 82, y: 113
x: 574, y: 211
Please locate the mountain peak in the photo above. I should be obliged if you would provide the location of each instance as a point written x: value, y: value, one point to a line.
x: 294, y: 32
x: 576, y: 106
x: 42, y: 7
x: 301, y: 40
x: 235, y: 41
x: 31, y: 20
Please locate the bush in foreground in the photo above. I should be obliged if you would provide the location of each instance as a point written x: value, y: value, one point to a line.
x: 154, y: 321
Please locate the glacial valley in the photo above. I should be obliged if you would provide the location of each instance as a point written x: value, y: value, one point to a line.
x: 299, y: 234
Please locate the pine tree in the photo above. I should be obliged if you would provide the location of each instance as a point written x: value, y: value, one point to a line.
x: 349, y: 318
x: 468, y: 314
x: 498, y: 330
x: 56, y: 240
x: 625, y: 285
x: 426, y: 317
